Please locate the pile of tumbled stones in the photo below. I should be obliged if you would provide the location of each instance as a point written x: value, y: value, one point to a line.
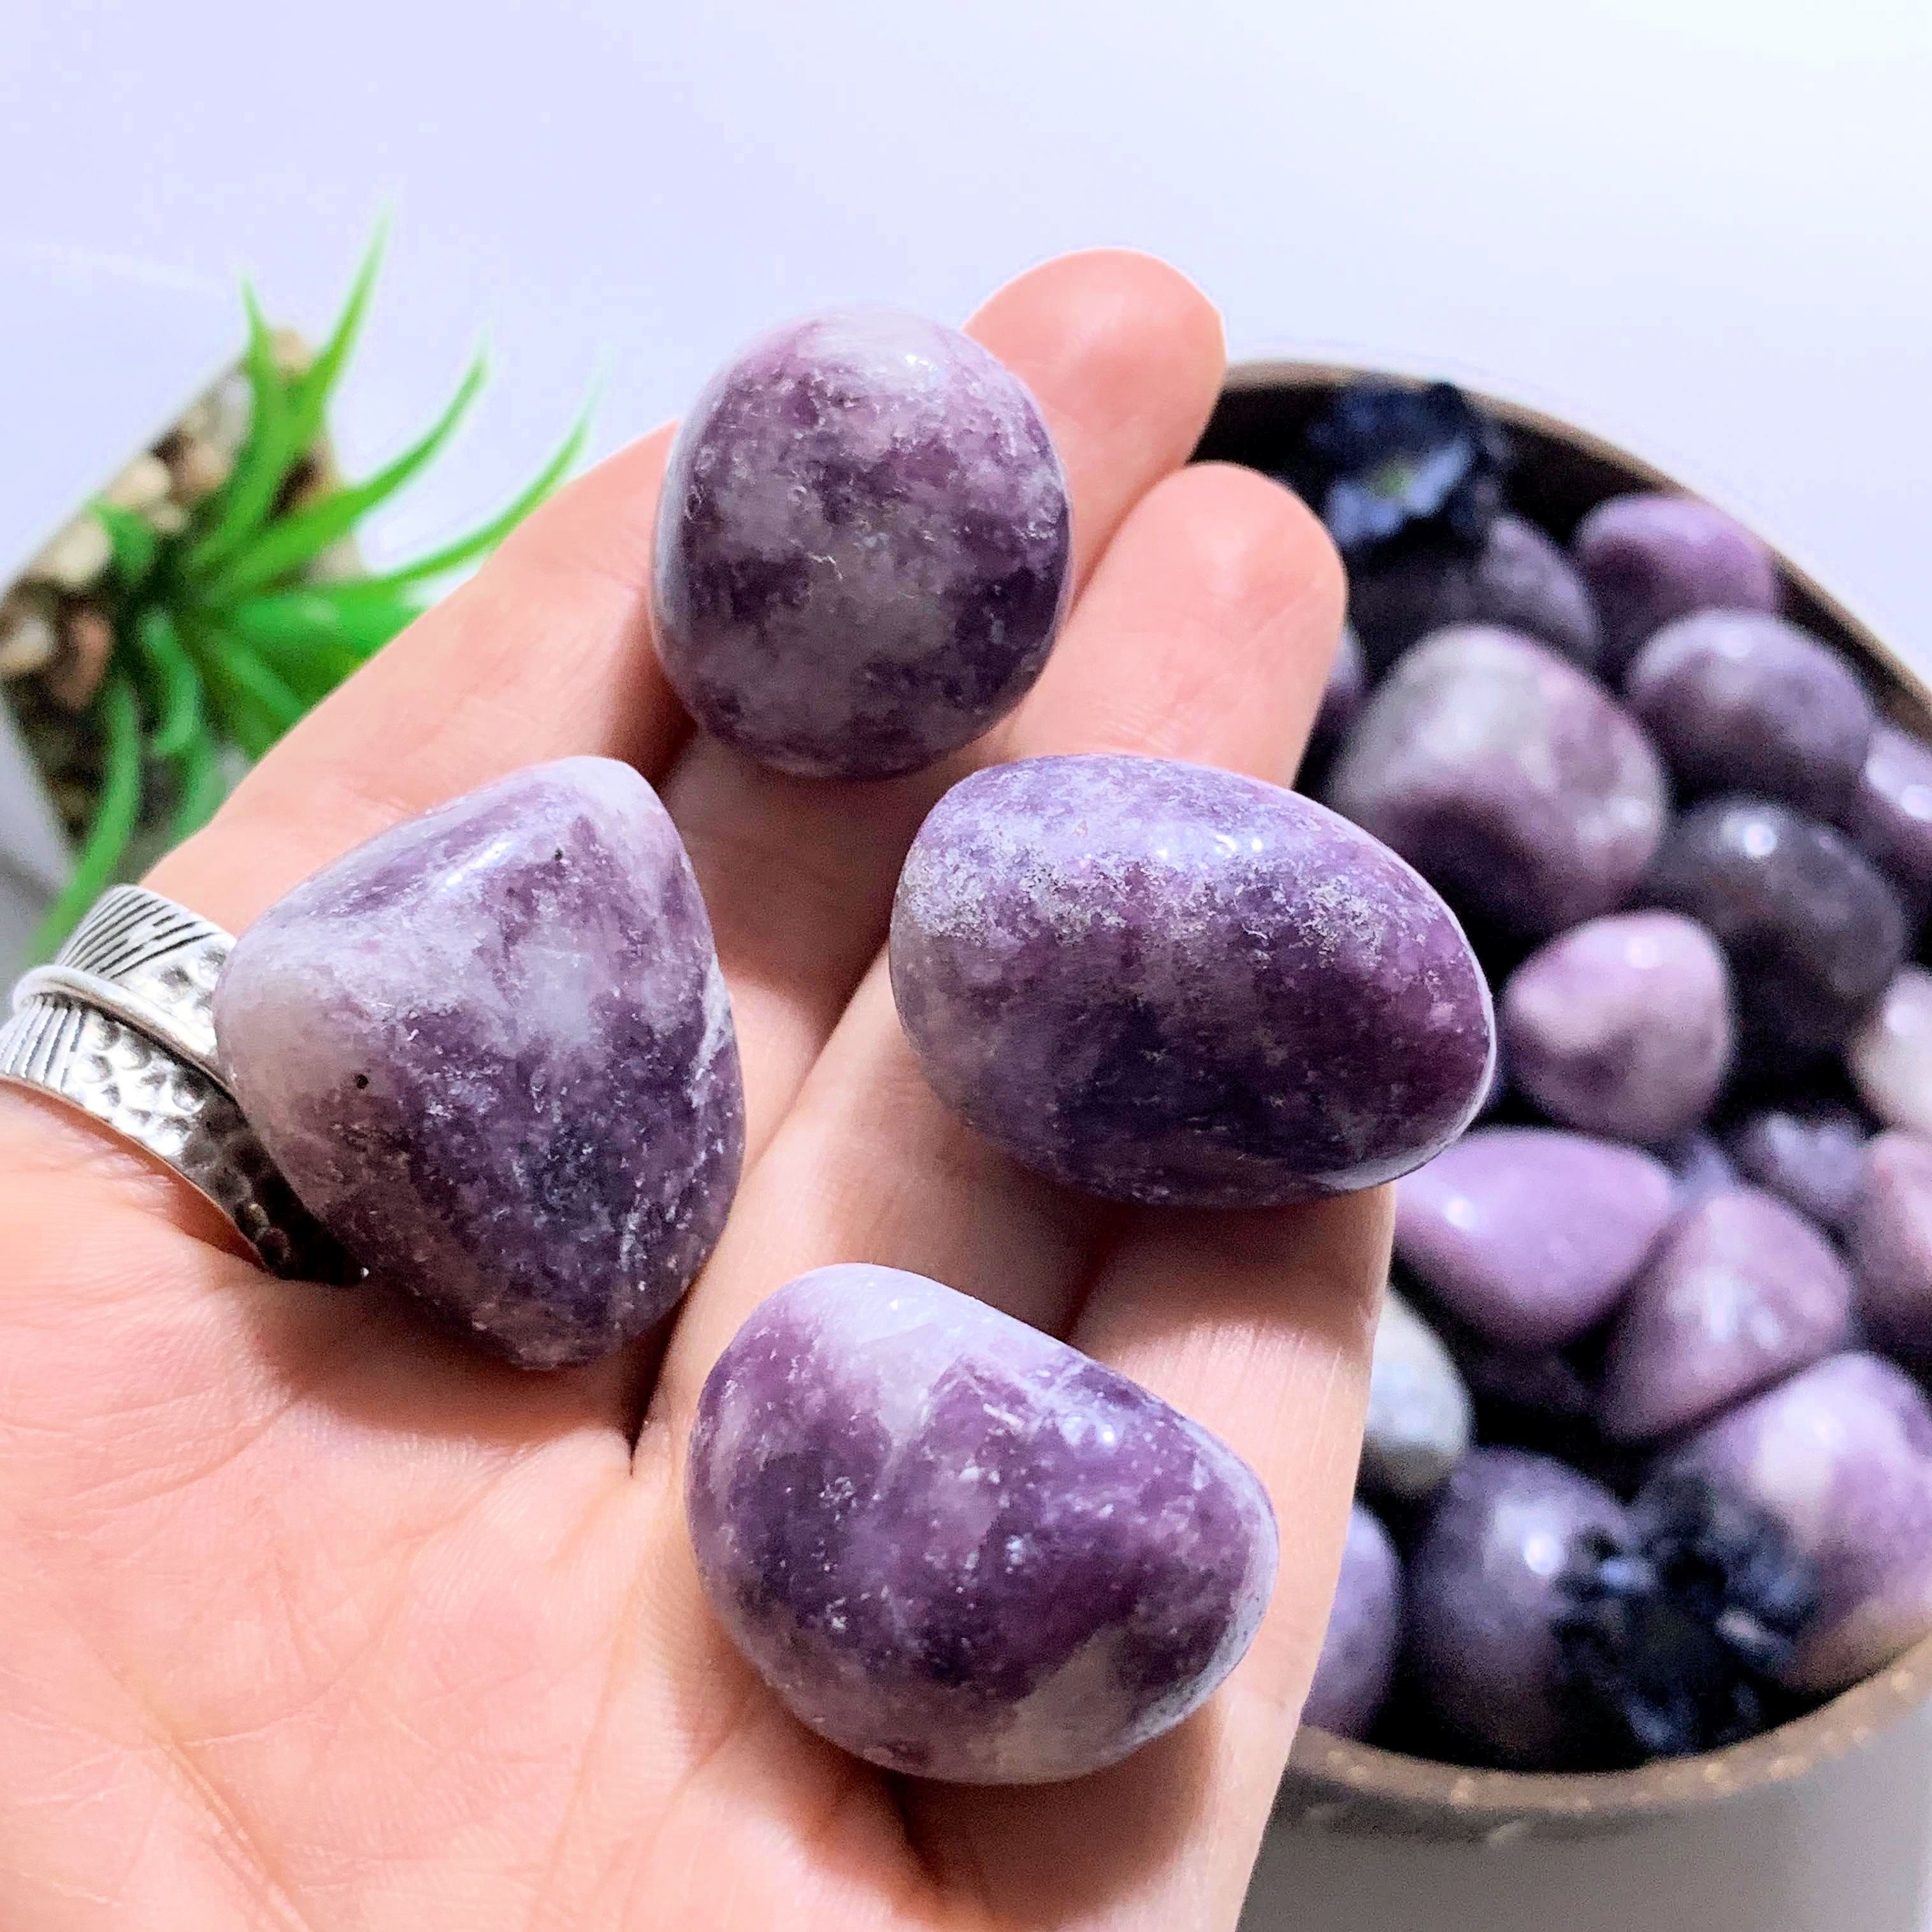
x: 1649, y: 1462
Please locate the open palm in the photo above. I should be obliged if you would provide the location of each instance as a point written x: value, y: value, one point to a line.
x: 316, y: 1619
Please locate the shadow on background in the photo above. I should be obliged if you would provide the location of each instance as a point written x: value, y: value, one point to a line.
x: 1848, y: 1847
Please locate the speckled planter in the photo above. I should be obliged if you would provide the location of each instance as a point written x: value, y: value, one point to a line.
x: 1335, y: 1785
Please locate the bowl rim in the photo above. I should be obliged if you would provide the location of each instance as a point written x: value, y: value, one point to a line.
x: 1513, y: 1800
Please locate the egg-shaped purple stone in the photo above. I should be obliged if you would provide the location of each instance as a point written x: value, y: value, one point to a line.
x: 1699, y: 1166
x: 1888, y: 816
x: 1621, y: 1026
x: 1358, y: 1649
x: 1484, y: 1589
x: 1648, y: 558
x: 1840, y: 1455
x: 1889, y: 1237
x: 1516, y: 577
x: 1891, y: 1056
x: 1528, y: 1233
x: 1511, y: 780
x: 958, y: 1548
x: 863, y: 546
x: 1163, y: 983
x: 1741, y: 701
x: 492, y: 1050
x: 1742, y: 1289
x: 1812, y: 931
x: 1811, y: 1153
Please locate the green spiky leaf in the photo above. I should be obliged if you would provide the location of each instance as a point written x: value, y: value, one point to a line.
x: 135, y: 543
x: 309, y: 394
x: 361, y: 614
x: 118, y: 715
x: 177, y: 684
x: 268, y: 453
x: 203, y: 787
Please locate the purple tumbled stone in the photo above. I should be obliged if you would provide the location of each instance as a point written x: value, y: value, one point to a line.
x: 1518, y: 578
x: 1891, y: 1056
x: 1163, y: 983
x: 1743, y: 1289
x: 1649, y: 558
x: 1621, y: 1026
x: 1420, y: 1423
x: 1700, y: 1167
x: 863, y: 546
x: 1889, y: 1238
x: 1358, y: 1650
x: 1811, y: 1153
x: 1841, y: 1457
x: 492, y: 1050
x: 1888, y: 816
x: 1741, y: 701
x: 1812, y: 931
x: 957, y: 1547
x: 1511, y: 780
x: 1528, y: 1233
x: 1484, y: 1589
x: 1342, y: 696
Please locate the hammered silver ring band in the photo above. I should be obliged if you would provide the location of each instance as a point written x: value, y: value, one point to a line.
x: 121, y: 1026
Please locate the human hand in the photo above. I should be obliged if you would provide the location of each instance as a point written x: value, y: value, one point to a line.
x: 318, y: 1619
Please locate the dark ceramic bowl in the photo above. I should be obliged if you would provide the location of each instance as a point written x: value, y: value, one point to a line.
x: 1562, y: 471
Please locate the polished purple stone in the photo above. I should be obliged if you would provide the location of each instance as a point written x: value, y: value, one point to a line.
x: 1649, y: 558
x: 1813, y: 932
x: 1889, y: 1237
x: 1163, y: 983
x: 1518, y: 578
x: 957, y: 1547
x: 1358, y: 1650
x: 1528, y: 1233
x: 1742, y: 1290
x: 1841, y: 1457
x: 1511, y: 780
x: 493, y: 1052
x: 1811, y: 1153
x: 1700, y: 1167
x: 1891, y: 1056
x: 1621, y: 1026
x: 1740, y: 701
x: 1484, y: 1596
x: 1888, y: 815
x: 864, y: 544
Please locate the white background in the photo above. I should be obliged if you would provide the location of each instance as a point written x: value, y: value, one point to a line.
x: 1702, y: 226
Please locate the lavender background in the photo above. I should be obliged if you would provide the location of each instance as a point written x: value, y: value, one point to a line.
x: 1698, y: 226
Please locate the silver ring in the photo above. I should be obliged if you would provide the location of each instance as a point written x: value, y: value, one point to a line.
x: 122, y: 1026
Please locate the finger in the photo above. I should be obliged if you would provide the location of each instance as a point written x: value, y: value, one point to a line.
x: 1258, y: 1325
x: 1124, y: 357
x: 545, y: 652
x: 1205, y: 635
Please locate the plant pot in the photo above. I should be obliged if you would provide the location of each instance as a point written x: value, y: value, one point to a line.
x: 1336, y: 1785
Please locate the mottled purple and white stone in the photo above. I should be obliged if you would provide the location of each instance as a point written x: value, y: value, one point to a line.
x: 1621, y: 1026
x: 1511, y: 780
x: 1528, y: 1233
x: 1841, y: 1457
x: 1163, y: 983
x: 1649, y: 558
x: 1484, y: 1587
x: 493, y: 1052
x: 1742, y: 1290
x: 957, y: 1547
x: 1891, y: 1056
x: 1889, y: 1238
x: 1700, y: 1168
x: 1358, y: 1649
x: 1811, y: 1153
x: 1889, y: 816
x: 864, y: 546
x: 1812, y: 930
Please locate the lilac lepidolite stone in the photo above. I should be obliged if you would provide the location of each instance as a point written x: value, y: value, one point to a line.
x: 1811, y: 1153
x: 1841, y: 1455
x: 1529, y: 1235
x: 957, y: 1547
x: 1163, y: 983
x: 493, y: 1052
x: 1889, y: 814
x: 863, y: 546
x: 1358, y: 1650
x: 1889, y: 1239
x: 1508, y: 777
x: 1622, y: 1025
